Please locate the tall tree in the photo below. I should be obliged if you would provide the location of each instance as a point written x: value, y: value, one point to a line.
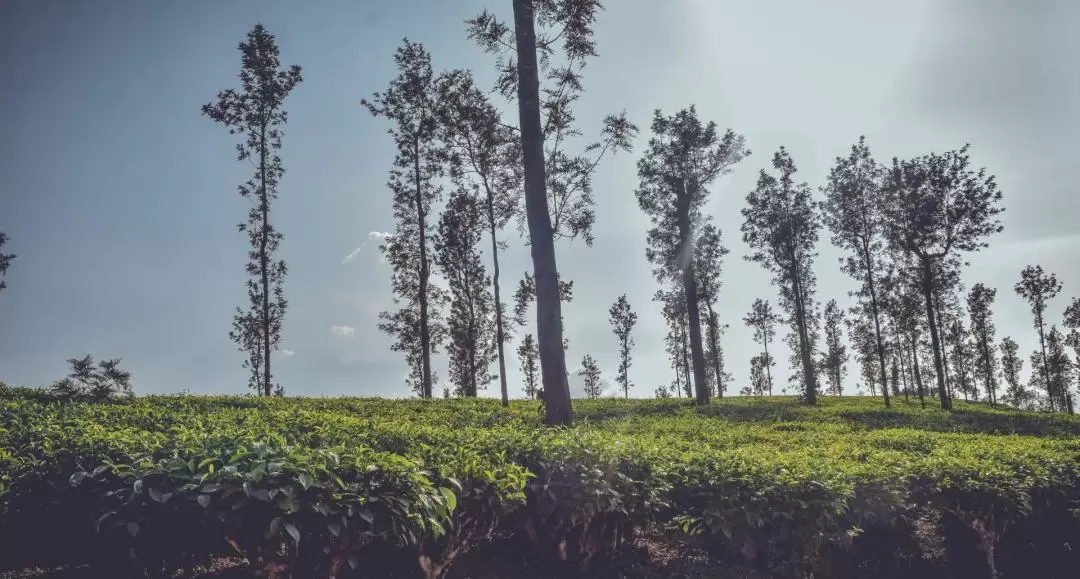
x: 760, y: 383
x: 781, y: 228
x: 1058, y: 369
x: 980, y: 302
x: 834, y: 360
x: 529, y: 356
x: 257, y: 112
x: 590, y: 371
x: 937, y: 206
x: 558, y: 186
x: 473, y: 341
x: 623, y: 320
x: 959, y: 339
x: 1038, y: 288
x: 682, y: 160
x: 709, y: 252
x: 1011, y: 366
x: 485, y: 161
x: 412, y: 103
x: 852, y: 210
x: 5, y: 260
x: 673, y: 309
x: 763, y: 320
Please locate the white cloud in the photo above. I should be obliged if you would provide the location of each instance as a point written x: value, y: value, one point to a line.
x: 344, y: 331
x: 288, y: 353
x: 372, y: 236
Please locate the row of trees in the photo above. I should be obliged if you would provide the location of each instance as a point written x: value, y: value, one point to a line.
x: 906, y: 229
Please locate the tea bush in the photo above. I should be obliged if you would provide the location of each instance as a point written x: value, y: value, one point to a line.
x: 306, y: 487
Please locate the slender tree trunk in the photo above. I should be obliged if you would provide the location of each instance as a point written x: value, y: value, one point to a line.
x: 626, y: 364
x: 877, y: 330
x: 931, y: 318
x: 900, y: 354
x: 950, y: 384
x: 474, y: 386
x: 918, y: 372
x: 1050, y: 394
x: 991, y: 386
x: 425, y: 275
x: 557, y: 406
x: 500, y: 332
x: 714, y: 339
x: 768, y: 364
x: 690, y: 290
x: 264, y: 262
x: 809, y: 377
x: 683, y: 337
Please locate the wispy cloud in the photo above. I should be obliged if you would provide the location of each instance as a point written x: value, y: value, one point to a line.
x: 344, y: 331
x: 288, y: 353
x: 372, y: 236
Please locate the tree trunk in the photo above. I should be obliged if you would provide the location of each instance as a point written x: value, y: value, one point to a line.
x: 500, y: 332
x: 931, y: 318
x: 626, y: 364
x: 714, y: 339
x: 877, y: 330
x: 1045, y: 363
x: 809, y: 377
x: 264, y: 262
x: 991, y: 386
x: 557, y: 406
x: 684, y: 339
x: 768, y: 363
x: 918, y: 373
x: 900, y: 355
x: 425, y: 274
x: 693, y: 310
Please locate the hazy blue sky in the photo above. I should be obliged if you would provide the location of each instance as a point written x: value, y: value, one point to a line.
x: 120, y: 199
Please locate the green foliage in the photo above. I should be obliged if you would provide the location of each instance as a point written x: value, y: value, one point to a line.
x: 309, y: 485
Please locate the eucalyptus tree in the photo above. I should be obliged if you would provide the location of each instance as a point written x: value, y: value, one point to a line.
x: 5, y: 260
x: 763, y: 321
x: 684, y: 157
x: 257, y: 112
x: 485, y: 162
x: 590, y: 371
x: 540, y: 61
x: 1038, y: 287
x: 980, y: 302
x: 673, y: 308
x: 937, y: 207
x: 834, y: 359
x: 530, y: 357
x: 412, y: 102
x: 961, y: 350
x: 1058, y: 370
x: 781, y: 227
x: 623, y: 319
x: 852, y: 211
x: 471, y: 328
x: 1011, y: 367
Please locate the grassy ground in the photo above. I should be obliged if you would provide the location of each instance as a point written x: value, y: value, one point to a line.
x: 638, y: 488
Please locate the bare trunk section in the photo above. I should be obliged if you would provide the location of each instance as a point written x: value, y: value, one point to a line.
x: 690, y: 290
x: 900, y: 354
x: 264, y: 261
x: 809, y: 377
x: 918, y: 373
x: 877, y: 327
x: 714, y: 343
x: 557, y: 407
x: 500, y: 332
x: 931, y: 318
x: 1045, y: 366
x: 991, y: 386
x: 425, y: 274
x: 768, y: 364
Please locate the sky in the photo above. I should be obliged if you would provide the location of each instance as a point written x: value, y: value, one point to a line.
x: 120, y: 199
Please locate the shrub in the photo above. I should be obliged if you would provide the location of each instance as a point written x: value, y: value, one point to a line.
x: 313, y: 487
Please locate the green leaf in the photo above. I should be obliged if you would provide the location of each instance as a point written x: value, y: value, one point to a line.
x: 203, y: 500
x: 133, y: 529
x: 450, y: 498
x: 293, y: 532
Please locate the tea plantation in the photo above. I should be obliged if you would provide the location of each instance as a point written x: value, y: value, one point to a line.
x: 316, y: 488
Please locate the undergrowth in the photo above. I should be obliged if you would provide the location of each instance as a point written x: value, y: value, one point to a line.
x: 308, y: 487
